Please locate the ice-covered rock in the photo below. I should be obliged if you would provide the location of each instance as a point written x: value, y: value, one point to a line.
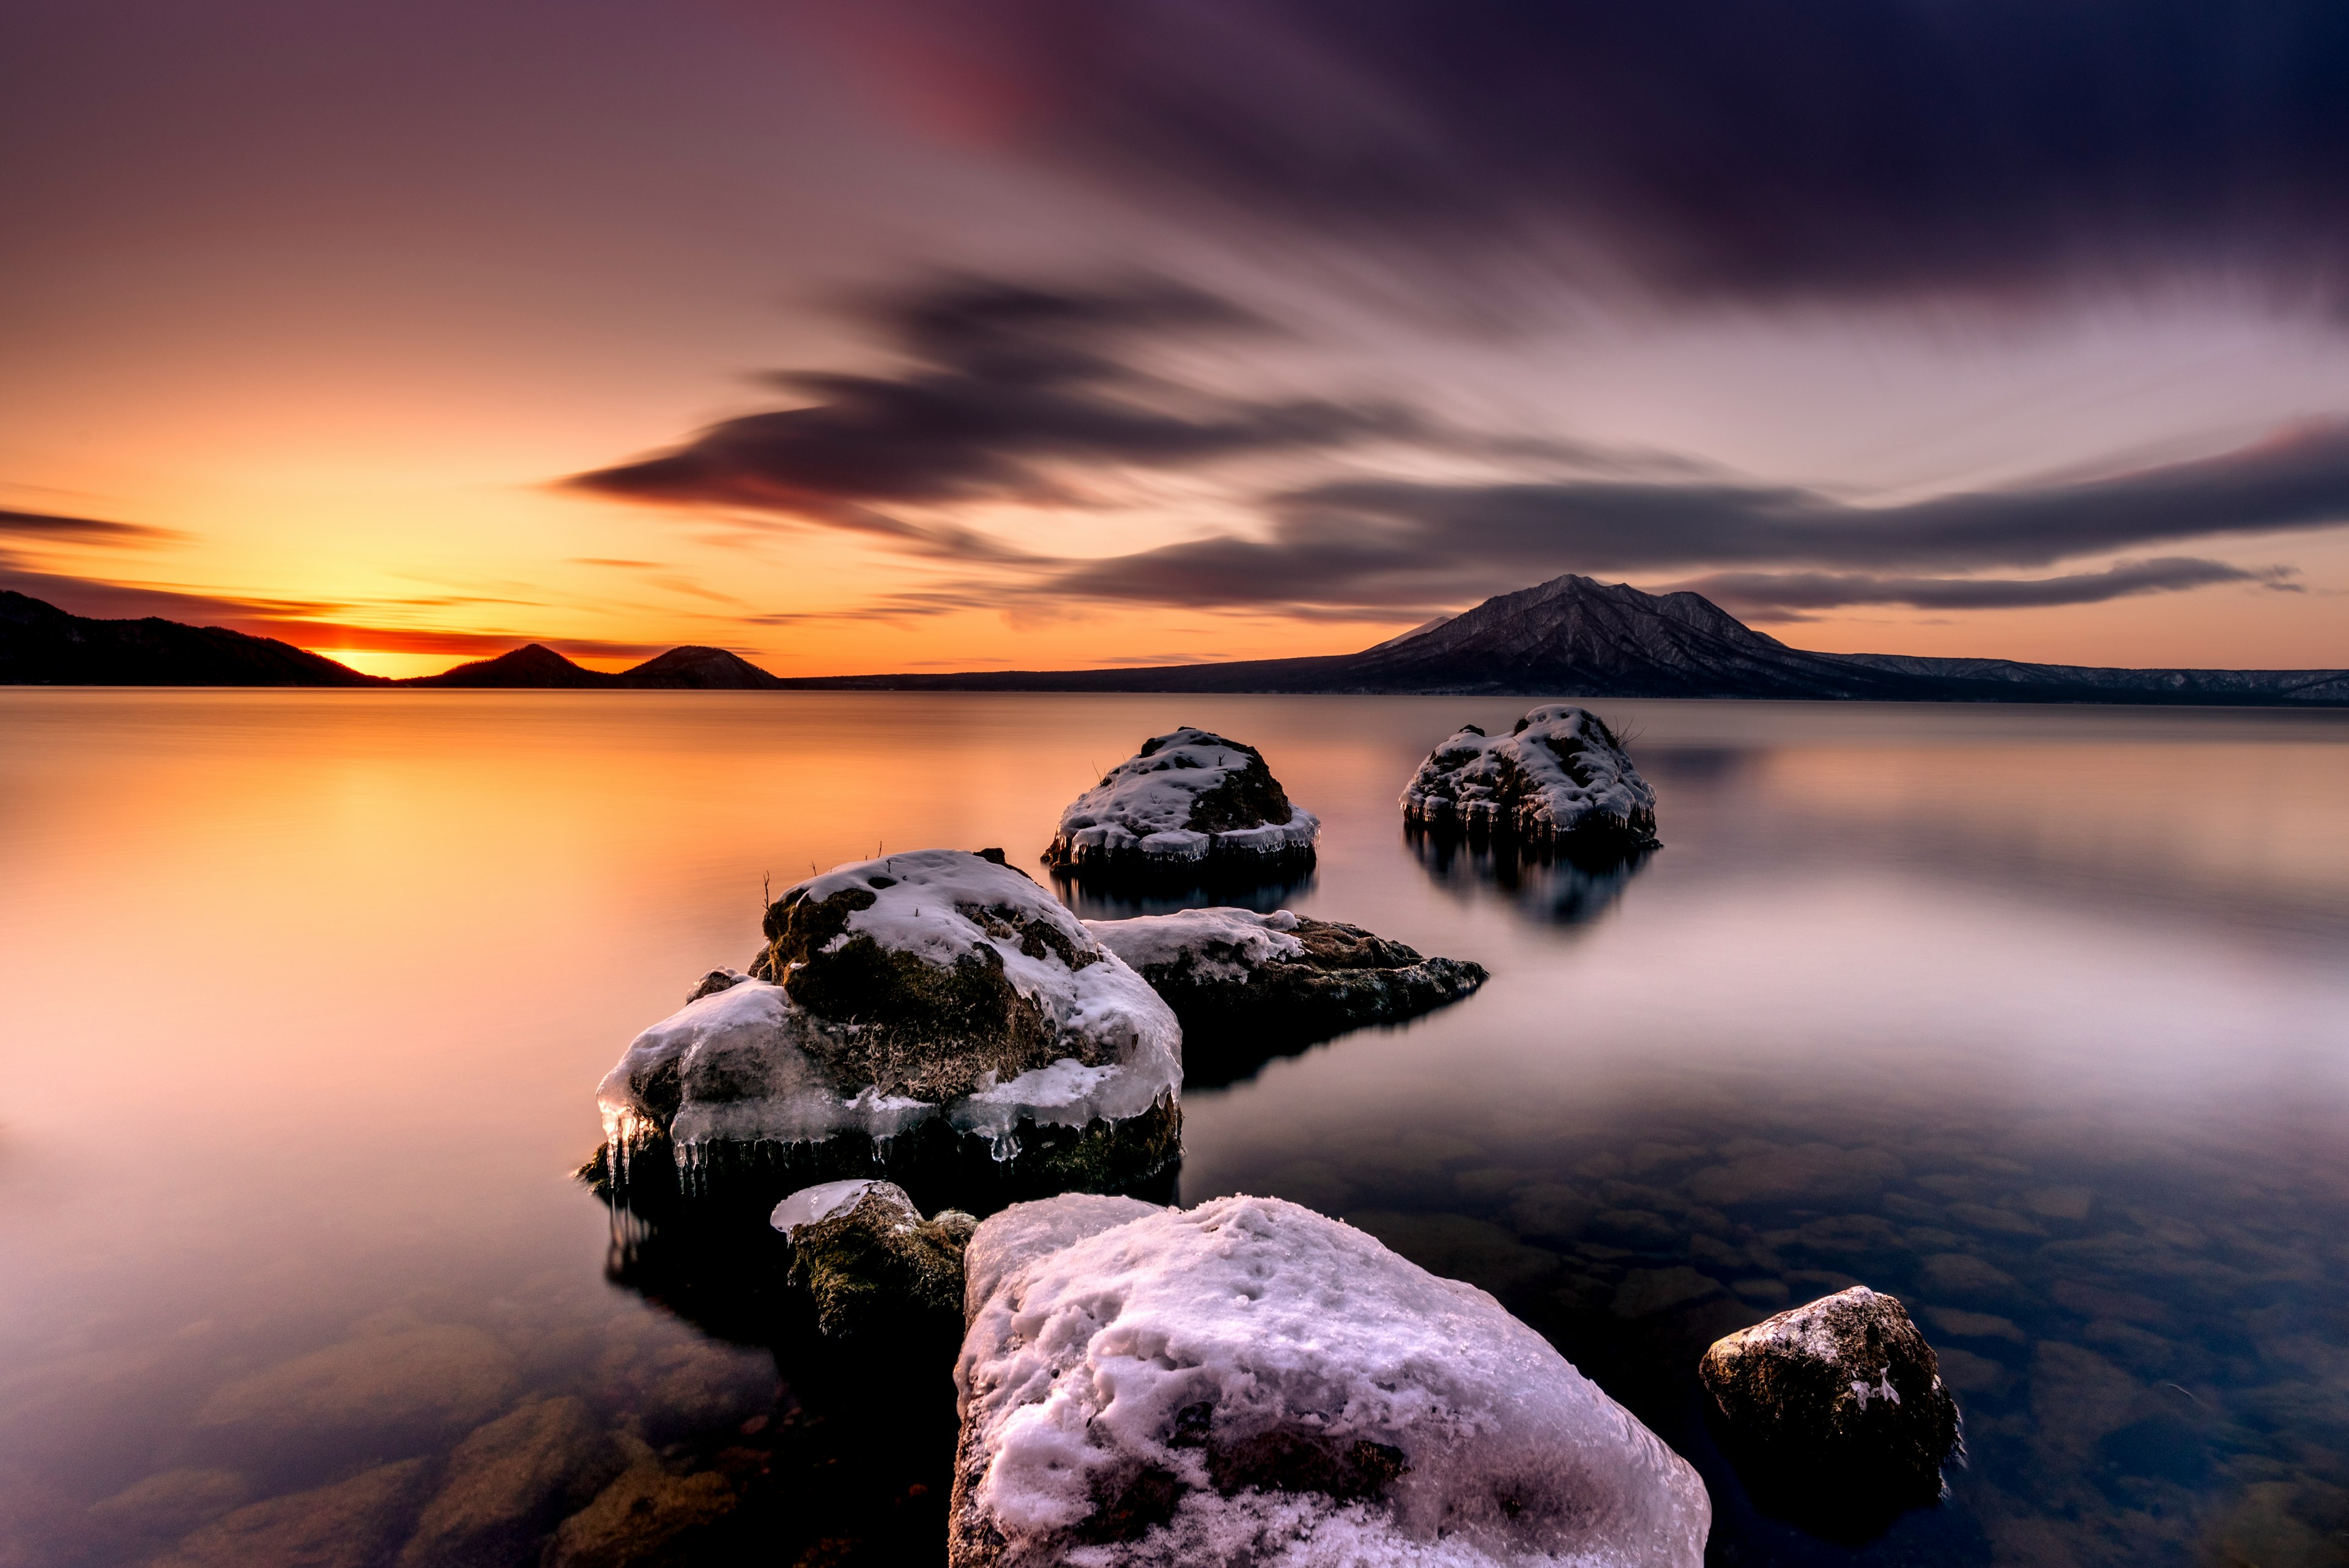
x: 1561, y: 774
x: 935, y: 1017
x: 1834, y: 1405
x: 1187, y: 801
x: 1241, y: 981
x: 872, y: 1264
x: 1249, y: 1381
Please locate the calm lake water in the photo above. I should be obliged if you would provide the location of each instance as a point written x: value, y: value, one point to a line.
x: 2037, y: 1018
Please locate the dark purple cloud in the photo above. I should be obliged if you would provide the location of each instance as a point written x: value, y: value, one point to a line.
x: 1805, y: 148
x: 1763, y: 592
x: 1004, y: 378
x: 48, y: 528
x: 1384, y: 542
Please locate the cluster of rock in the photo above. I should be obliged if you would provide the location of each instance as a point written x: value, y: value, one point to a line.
x: 1560, y: 776
x: 1189, y: 801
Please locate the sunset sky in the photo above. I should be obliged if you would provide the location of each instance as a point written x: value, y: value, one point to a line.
x: 906, y: 336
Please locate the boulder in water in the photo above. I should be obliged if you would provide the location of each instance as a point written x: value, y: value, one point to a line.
x: 873, y: 1267
x: 1561, y: 775
x: 932, y: 1017
x: 1189, y: 802
x: 1250, y: 1381
x: 1242, y: 984
x: 1835, y: 1410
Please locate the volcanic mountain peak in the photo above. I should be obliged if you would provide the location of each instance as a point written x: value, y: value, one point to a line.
x: 700, y: 669
x: 533, y: 665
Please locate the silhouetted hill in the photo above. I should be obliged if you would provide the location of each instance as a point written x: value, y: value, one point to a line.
x: 41, y: 645
x: 1572, y: 636
x: 532, y: 666
x: 700, y: 670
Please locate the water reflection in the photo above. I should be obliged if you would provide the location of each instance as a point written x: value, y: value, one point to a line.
x: 1556, y: 886
x: 1115, y: 899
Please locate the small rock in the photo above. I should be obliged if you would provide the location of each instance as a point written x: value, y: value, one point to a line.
x: 645, y: 1519
x: 873, y: 1265
x: 1965, y: 1277
x: 505, y: 1485
x: 1646, y: 1292
x: 716, y: 981
x: 352, y: 1524
x: 1835, y: 1407
x: 1973, y: 1325
x: 442, y: 1376
x: 174, y: 1502
x: 1240, y: 981
x: 1188, y: 800
x: 1561, y: 774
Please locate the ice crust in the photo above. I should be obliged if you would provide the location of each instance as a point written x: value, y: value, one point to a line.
x: 1099, y: 1350
x: 1521, y: 784
x: 745, y: 1073
x: 1144, y: 807
x: 821, y: 1201
x: 1221, y: 943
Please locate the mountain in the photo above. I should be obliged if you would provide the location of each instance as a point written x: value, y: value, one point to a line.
x: 700, y: 670
x: 1576, y: 636
x: 534, y: 667
x: 41, y: 645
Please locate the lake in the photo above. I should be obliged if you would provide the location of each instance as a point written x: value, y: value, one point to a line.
x: 2037, y: 1018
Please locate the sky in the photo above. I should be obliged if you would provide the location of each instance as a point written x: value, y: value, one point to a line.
x: 921, y: 334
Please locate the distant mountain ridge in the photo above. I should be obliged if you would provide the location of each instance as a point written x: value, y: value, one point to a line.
x: 1569, y: 637
x: 1575, y: 637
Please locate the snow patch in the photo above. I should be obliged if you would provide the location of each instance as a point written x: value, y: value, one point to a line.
x: 1562, y: 772
x: 1145, y: 807
x: 1220, y: 943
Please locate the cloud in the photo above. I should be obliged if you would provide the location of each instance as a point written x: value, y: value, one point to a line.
x: 1816, y: 148
x: 1006, y: 380
x: 45, y: 528
x: 1387, y: 542
x: 1759, y: 593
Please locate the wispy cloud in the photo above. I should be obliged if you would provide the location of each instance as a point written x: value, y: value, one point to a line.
x: 1761, y: 594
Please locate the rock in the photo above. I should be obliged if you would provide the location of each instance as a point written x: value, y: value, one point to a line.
x: 1187, y: 801
x: 1240, y: 980
x: 874, y: 1268
x: 1835, y: 1410
x: 645, y: 1519
x: 1248, y: 1381
x: 440, y: 1378
x: 173, y: 1503
x: 352, y: 1524
x: 505, y: 1487
x: 1645, y: 1293
x: 1962, y: 1276
x: 935, y: 1017
x: 1973, y: 1325
x: 1769, y: 1174
x: 716, y: 981
x: 1561, y: 774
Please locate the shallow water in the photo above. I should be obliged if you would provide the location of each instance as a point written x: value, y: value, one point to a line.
x: 2034, y: 1017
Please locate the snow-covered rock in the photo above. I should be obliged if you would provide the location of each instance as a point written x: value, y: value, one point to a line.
x: 1238, y: 976
x: 1561, y: 774
x: 872, y: 1265
x: 925, y: 1016
x: 1841, y: 1399
x: 1248, y: 1381
x: 1188, y: 800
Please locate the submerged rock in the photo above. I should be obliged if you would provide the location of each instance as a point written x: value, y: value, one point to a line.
x: 646, y: 1518
x: 1188, y: 800
x: 350, y: 1524
x: 1836, y: 1410
x: 505, y: 1486
x: 873, y: 1267
x: 935, y: 1017
x: 1560, y: 776
x: 1249, y: 1381
x: 1235, y: 977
